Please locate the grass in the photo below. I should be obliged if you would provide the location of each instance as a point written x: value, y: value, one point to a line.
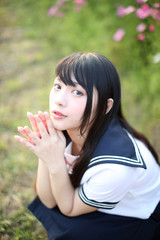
x: 22, y: 78
x: 31, y: 45
x: 22, y: 225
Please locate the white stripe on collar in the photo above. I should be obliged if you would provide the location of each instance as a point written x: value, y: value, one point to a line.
x: 105, y: 159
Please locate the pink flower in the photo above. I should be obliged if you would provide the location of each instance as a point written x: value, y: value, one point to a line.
x: 119, y: 35
x: 156, y: 14
x: 60, y: 14
x: 61, y: 2
x: 52, y: 11
x: 129, y: 10
x: 122, y: 11
x: 156, y: 5
x: 80, y: 2
x: 141, y: 36
x: 141, y: 27
x: 145, y: 7
x: 140, y: 1
x: 144, y: 11
x: 151, y: 28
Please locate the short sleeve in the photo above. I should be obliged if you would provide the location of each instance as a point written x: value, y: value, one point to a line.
x: 107, y: 186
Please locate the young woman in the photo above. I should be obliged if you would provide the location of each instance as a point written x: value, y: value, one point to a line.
x: 97, y: 178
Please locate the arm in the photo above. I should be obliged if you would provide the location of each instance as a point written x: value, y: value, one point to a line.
x: 50, y: 149
x: 66, y: 196
x: 43, y: 185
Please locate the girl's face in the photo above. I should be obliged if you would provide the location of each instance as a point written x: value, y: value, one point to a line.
x: 67, y: 105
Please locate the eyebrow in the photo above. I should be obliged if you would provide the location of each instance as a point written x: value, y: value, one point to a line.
x: 75, y: 83
x: 58, y: 79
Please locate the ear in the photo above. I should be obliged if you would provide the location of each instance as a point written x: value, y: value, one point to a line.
x: 110, y: 102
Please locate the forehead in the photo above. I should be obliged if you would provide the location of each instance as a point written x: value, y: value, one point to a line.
x: 71, y: 73
x: 72, y: 82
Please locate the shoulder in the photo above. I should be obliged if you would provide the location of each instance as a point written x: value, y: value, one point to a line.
x: 104, y: 172
x: 117, y: 146
x: 111, y: 174
x: 147, y: 155
x: 104, y: 186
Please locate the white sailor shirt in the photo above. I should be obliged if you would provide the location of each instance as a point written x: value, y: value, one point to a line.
x: 123, y: 177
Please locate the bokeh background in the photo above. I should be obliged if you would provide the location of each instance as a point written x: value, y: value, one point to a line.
x: 31, y: 43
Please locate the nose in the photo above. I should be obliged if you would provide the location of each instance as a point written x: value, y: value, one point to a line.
x: 60, y: 98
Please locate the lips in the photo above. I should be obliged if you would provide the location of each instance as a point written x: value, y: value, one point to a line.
x: 57, y: 114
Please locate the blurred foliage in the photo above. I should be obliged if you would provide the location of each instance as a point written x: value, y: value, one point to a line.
x: 31, y: 45
x: 21, y: 226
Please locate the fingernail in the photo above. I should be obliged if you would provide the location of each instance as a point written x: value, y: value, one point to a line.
x: 47, y: 114
x: 29, y: 114
x: 41, y: 115
x: 27, y: 128
x: 37, y: 118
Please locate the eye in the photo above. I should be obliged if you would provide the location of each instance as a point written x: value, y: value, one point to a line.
x: 57, y: 86
x: 77, y: 93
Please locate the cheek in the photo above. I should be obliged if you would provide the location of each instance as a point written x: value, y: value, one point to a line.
x: 77, y: 111
x: 80, y: 108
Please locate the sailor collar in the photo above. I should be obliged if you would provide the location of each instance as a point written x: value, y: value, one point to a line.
x: 117, y: 146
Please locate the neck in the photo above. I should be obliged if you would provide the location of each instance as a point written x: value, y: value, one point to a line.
x: 77, y: 141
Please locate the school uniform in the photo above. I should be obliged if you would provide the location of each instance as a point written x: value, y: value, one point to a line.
x: 123, y: 181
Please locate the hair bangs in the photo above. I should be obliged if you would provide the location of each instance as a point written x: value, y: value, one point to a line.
x: 71, y: 70
x: 64, y: 72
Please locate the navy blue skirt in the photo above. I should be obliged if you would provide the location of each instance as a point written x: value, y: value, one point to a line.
x: 95, y: 225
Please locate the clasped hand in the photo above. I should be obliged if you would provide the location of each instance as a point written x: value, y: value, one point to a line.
x: 46, y: 142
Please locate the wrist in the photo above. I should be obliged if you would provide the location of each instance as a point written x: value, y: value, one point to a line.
x: 58, y: 166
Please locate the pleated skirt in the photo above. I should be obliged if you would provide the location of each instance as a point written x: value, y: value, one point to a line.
x: 95, y: 225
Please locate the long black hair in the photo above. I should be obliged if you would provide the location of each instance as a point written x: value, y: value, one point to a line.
x: 95, y: 70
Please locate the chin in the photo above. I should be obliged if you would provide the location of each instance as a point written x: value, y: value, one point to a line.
x: 57, y: 127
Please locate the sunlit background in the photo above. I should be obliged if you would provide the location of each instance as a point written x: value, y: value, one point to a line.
x: 34, y: 36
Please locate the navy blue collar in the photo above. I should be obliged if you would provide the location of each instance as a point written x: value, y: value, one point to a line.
x: 117, y: 146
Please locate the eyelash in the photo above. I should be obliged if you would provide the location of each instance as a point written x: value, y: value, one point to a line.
x: 76, y: 92
x: 57, y: 86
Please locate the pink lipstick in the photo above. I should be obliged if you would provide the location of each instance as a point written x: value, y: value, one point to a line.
x: 57, y: 115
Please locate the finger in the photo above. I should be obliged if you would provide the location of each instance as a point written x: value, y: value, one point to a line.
x: 49, y: 123
x: 18, y: 138
x: 24, y: 133
x: 41, y: 115
x: 42, y: 128
x: 61, y: 136
x: 33, y: 123
x: 25, y: 142
x: 33, y: 136
x: 52, y: 130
